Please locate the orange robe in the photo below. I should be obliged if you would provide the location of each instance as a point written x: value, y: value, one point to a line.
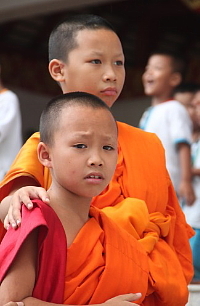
x: 110, y: 263
x: 141, y: 173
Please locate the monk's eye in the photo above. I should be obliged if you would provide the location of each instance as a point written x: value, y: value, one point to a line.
x: 96, y: 61
x: 119, y: 63
x: 80, y: 146
x: 108, y: 148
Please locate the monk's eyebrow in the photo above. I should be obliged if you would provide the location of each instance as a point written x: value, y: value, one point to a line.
x: 82, y: 134
x: 99, y: 53
x: 86, y: 135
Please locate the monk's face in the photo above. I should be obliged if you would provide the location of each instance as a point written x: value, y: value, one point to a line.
x: 84, y: 151
x: 95, y: 66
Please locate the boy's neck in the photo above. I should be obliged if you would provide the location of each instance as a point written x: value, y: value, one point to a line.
x: 1, y: 86
x: 73, y: 211
x: 196, y: 134
x: 160, y: 99
x: 66, y: 203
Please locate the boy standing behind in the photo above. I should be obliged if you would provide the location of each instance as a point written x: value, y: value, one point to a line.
x: 169, y: 119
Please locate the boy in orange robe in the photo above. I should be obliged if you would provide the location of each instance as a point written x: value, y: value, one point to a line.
x: 92, y: 60
x: 68, y: 252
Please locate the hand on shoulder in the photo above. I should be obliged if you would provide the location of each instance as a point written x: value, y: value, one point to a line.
x: 22, y: 196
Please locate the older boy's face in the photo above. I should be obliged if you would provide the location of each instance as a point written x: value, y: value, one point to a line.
x: 157, y: 76
x: 84, y: 153
x: 96, y: 66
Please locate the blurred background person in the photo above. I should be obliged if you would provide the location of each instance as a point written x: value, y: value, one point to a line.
x: 184, y: 93
x: 10, y: 127
x: 192, y: 213
x: 168, y: 119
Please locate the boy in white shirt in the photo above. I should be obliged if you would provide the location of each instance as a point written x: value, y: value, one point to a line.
x: 10, y: 128
x: 169, y: 119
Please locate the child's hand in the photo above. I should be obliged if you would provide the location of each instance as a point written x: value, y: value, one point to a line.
x: 120, y: 300
x: 186, y: 191
x: 123, y: 300
x: 14, y: 304
x: 23, y: 196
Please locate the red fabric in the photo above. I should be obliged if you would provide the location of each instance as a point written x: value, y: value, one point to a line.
x: 52, y: 240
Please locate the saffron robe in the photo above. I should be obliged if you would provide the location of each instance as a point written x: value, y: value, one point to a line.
x: 141, y: 173
x: 102, y: 262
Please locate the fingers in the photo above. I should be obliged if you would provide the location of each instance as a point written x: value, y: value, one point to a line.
x: 190, y: 198
x: 14, y: 304
x: 130, y: 297
x: 124, y: 299
x: 26, y: 194
x: 13, y: 217
x: 23, y: 196
x: 6, y: 223
x: 42, y: 194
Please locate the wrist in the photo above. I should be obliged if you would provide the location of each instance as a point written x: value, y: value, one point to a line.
x: 186, y: 181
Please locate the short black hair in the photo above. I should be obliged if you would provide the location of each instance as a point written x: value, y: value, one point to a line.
x: 50, y: 116
x: 187, y: 87
x: 62, y: 38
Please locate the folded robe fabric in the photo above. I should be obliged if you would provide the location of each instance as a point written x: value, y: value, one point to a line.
x: 102, y: 262
x: 151, y: 230
x: 140, y: 173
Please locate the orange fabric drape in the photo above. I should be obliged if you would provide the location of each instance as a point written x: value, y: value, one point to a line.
x: 151, y: 231
x: 104, y: 266
x: 141, y: 174
x: 144, y: 176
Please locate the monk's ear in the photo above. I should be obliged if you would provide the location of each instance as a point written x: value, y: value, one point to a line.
x: 44, y: 154
x: 56, y: 70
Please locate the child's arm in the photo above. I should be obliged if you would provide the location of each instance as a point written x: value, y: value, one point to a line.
x: 195, y: 171
x: 20, y: 278
x: 120, y: 300
x: 185, y: 189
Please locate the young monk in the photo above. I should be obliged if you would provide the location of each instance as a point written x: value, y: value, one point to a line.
x: 92, y: 259
x: 86, y: 54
